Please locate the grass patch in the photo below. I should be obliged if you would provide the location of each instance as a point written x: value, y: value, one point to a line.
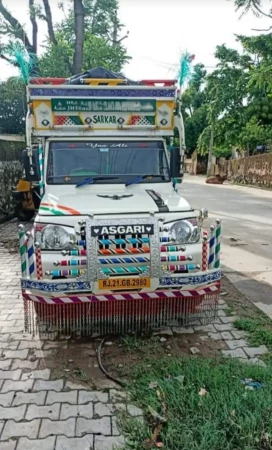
x: 229, y: 417
x: 139, y: 344
x: 259, y: 330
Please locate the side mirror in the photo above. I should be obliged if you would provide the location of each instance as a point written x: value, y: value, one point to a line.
x: 175, y: 163
x: 32, y: 173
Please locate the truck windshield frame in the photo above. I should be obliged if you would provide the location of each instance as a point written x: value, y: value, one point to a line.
x: 70, y: 162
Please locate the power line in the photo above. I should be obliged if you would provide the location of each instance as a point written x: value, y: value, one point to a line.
x: 170, y: 65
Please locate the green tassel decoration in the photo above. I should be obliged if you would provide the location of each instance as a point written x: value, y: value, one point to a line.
x: 185, y: 67
x: 20, y: 57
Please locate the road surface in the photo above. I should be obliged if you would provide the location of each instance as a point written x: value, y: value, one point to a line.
x: 246, y: 215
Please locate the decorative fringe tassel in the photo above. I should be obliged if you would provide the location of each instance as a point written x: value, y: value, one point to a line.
x: 119, y: 317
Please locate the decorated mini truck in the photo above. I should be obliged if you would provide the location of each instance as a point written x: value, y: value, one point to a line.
x: 115, y: 247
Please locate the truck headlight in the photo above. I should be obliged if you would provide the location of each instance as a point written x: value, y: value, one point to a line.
x: 185, y: 231
x: 56, y: 237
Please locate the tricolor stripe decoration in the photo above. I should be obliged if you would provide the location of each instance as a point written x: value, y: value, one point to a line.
x: 127, y: 260
x: 217, y: 244
x: 74, y: 253
x: 41, y: 184
x: 72, y: 262
x: 81, y: 243
x: 173, y: 268
x: 58, y: 210
x: 176, y: 258
x: 123, y: 241
x: 167, y: 239
x: 30, y: 255
x: 66, y: 273
x: 128, y: 251
x: 23, y: 250
x: 123, y: 251
x: 172, y: 248
x: 124, y: 270
x: 211, y: 247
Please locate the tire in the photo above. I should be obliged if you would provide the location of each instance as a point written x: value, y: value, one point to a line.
x: 23, y: 215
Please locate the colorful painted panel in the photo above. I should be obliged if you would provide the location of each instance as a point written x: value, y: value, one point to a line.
x: 100, y: 114
x: 106, y: 93
x: 103, y: 105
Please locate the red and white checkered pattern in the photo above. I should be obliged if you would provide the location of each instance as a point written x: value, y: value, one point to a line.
x: 39, y: 270
x: 126, y: 296
x: 205, y: 250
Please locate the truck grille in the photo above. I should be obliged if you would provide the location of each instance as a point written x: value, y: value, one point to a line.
x: 123, y: 254
x: 126, y: 254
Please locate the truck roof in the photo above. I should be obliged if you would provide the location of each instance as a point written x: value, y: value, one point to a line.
x: 101, y: 107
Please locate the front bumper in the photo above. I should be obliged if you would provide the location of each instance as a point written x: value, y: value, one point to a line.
x: 61, y: 292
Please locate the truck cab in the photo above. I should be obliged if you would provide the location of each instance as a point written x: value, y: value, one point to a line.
x: 112, y: 224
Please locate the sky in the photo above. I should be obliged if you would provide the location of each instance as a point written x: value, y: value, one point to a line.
x: 161, y: 30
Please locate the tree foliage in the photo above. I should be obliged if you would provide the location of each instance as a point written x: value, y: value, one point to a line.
x: 260, y: 8
x: 88, y: 35
x: 236, y: 100
x: 194, y: 108
x: 12, y: 106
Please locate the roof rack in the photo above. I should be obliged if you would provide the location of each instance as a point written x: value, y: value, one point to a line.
x: 88, y: 81
x: 101, y: 81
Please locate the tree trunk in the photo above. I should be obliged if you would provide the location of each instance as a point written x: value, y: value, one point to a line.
x: 49, y: 21
x: 210, y: 150
x: 79, y: 32
x: 115, y: 29
x: 18, y: 31
x: 34, y: 25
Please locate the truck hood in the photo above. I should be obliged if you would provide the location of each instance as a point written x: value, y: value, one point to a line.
x: 121, y: 201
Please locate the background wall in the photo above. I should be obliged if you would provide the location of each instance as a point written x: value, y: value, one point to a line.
x: 254, y: 170
x: 10, y: 172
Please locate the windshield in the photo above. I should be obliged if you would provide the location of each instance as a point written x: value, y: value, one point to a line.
x: 70, y: 162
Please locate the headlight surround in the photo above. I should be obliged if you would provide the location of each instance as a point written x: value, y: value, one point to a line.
x: 185, y: 231
x: 56, y: 237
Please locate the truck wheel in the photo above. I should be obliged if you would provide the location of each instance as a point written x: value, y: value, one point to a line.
x: 23, y: 215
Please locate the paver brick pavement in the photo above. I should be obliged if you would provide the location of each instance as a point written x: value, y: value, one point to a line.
x: 62, y: 397
x: 57, y: 427
x: 68, y: 411
x: 84, y: 443
x: 98, y: 426
x: 13, y: 429
x: 42, y: 412
x: 21, y: 398
x: 37, y: 444
x: 16, y: 413
x: 10, y: 385
x: 108, y: 443
x: 9, y: 445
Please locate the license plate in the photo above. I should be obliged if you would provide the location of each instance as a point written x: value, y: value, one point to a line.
x: 114, y: 284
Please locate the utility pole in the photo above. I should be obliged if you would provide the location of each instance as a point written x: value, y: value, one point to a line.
x: 210, y: 148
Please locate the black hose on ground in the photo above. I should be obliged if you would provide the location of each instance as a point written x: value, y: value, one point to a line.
x: 102, y: 367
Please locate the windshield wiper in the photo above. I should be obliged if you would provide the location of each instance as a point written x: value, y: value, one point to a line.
x: 93, y: 180
x: 141, y: 178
